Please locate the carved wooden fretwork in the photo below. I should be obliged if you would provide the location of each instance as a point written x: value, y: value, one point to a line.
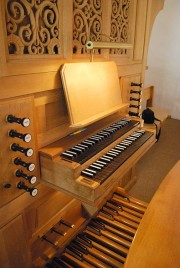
x: 120, y: 24
x: 33, y: 27
x: 87, y: 23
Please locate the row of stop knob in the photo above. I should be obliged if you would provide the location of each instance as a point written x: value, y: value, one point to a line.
x: 28, y: 152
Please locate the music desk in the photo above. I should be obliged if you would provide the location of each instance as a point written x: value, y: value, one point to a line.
x: 157, y: 241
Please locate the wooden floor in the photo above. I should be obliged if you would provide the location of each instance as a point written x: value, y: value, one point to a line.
x: 154, y: 166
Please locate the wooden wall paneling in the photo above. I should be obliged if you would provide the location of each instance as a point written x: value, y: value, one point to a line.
x: 15, y: 243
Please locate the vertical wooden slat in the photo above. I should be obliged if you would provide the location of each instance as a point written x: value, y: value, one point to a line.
x: 16, y: 244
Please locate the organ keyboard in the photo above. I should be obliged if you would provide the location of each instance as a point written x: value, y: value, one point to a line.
x: 95, y: 143
x: 88, y: 165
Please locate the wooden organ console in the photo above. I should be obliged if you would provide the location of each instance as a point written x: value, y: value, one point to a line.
x: 91, y: 167
x: 82, y: 174
x: 78, y: 214
x: 88, y: 166
x: 63, y: 176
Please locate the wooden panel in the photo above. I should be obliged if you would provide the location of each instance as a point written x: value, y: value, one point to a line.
x: 56, y: 114
x: 16, y: 244
x: 21, y: 108
x: 147, y: 95
x: 13, y: 86
x: 2, y: 43
x: 42, y: 250
x: 52, y: 121
x: 4, y: 262
x: 157, y: 240
x: 43, y: 212
x: 128, y: 69
x: 126, y: 85
x: 140, y: 29
x: 95, y: 96
x: 52, y: 135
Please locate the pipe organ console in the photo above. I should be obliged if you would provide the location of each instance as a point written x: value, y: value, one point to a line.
x: 67, y: 206
x: 78, y: 214
x: 70, y: 140
x: 89, y: 168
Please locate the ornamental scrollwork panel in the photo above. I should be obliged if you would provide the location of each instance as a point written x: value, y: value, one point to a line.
x: 32, y: 27
x: 120, y: 24
x: 87, y: 23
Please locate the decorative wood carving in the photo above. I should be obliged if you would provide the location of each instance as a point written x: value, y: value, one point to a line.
x: 32, y: 27
x: 120, y: 23
x: 87, y: 23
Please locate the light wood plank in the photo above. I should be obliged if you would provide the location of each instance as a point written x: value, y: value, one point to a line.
x: 157, y: 240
